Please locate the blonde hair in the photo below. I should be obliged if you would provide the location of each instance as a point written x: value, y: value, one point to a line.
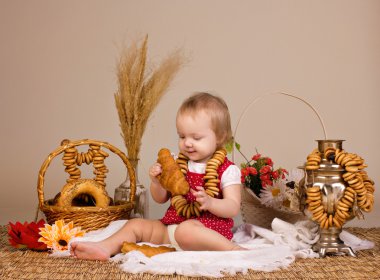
x: 216, y: 108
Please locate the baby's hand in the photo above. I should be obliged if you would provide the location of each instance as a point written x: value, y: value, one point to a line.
x: 202, y: 198
x: 154, y: 171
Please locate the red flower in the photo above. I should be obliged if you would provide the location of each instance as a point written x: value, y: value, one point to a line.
x: 244, y: 172
x: 265, y: 177
x: 265, y: 183
x: 242, y: 178
x: 275, y: 175
x: 269, y: 161
x: 283, y: 172
x: 269, y: 182
x: 26, y: 235
x: 256, y: 157
x: 265, y: 169
x: 252, y: 170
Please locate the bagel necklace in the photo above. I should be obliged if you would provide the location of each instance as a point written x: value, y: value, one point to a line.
x: 180, y: 203
x: 358, y: 194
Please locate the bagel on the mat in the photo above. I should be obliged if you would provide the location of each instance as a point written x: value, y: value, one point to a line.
x: 146, y: 249
x: 82, y: 187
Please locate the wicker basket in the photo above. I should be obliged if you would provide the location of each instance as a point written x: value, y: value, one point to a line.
x: 87, y: 217
x: 252, y: 210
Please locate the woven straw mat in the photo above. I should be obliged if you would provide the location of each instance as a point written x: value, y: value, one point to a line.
x: 27, y: 264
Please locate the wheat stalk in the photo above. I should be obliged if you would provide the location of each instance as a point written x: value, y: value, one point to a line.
x: 140, y: 90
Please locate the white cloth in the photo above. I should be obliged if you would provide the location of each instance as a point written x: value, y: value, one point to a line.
x: 267, y: 251
x: 354, y: 242
x: 231, y: 176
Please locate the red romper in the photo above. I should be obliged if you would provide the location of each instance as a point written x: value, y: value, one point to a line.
x: 221, y: 225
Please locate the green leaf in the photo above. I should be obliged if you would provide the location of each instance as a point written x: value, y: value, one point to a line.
x: 229, y: 146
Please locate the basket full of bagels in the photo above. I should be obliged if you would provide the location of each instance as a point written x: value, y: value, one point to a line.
x: 81, y: 200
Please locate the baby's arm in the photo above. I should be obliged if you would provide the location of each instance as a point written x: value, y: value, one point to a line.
x: 227, y: 207
x: 159, y: 194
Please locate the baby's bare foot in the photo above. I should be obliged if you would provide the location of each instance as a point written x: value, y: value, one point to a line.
x: 89, y: 251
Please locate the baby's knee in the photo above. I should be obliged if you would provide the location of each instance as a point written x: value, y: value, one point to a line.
x: 135, y: 225
x: 183, y: 234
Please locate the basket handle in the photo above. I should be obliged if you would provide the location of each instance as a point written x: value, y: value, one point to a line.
x: 70, y: 144
x: 275, y: 93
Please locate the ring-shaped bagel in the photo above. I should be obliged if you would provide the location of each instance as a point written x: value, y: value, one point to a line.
x: 83, y: 186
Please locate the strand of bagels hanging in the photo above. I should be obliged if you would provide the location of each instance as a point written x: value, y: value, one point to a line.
x: 358, y: 194
x: 180, y: 203
x: 72, y: 159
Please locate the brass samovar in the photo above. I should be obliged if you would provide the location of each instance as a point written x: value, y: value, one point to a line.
x: 333, y: 194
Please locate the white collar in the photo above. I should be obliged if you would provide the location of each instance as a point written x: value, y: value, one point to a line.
x: 196, y: 167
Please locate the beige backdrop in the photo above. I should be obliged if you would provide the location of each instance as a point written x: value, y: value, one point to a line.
x: 58, y: 79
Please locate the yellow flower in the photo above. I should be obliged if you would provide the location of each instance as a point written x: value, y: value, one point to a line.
x: 58, y: 235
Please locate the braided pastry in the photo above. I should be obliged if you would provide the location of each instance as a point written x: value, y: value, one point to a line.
x: 171, y: 177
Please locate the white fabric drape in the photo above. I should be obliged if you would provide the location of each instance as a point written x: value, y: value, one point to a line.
x: 268, y: 250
